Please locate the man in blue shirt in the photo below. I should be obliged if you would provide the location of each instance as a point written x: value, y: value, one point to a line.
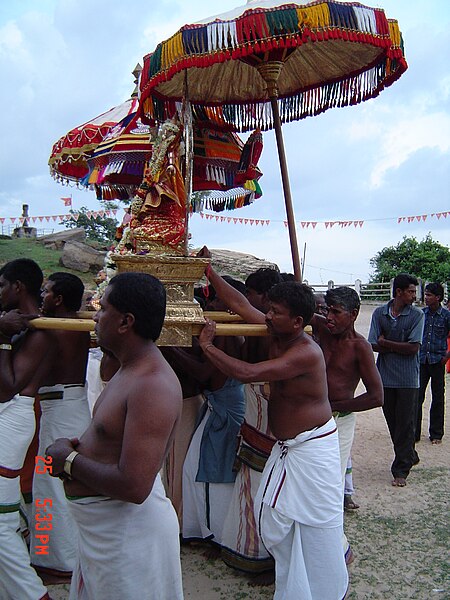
x: 396, y: 333
x: 432, y: 356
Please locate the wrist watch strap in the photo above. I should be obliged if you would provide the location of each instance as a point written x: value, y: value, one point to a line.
x: 68, y: 463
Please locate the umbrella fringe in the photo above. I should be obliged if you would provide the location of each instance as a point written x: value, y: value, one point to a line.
x: 237, y: 39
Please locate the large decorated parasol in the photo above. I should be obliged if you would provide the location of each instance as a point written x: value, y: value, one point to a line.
x: 223, y: 166
x: 271, y: 62
x: 68, y: 159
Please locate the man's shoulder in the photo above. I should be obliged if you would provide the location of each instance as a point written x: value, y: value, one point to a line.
x: 380, y: 310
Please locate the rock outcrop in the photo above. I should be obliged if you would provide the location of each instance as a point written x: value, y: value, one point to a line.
x: 238, y: 264
x: 57, y: 240
x: 81, y: 257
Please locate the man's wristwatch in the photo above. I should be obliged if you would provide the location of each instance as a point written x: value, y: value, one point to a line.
x: 68, y: 463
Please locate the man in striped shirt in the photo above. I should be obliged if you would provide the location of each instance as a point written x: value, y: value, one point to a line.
x: 396, y: 334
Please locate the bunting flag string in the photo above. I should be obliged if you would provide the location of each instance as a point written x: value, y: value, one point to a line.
x: 328, y: 224
x: 235, y: 220
x: 40, y: 218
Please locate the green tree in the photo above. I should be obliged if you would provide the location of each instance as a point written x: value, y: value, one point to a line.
x: 99, y: 229
x: 428, y: 260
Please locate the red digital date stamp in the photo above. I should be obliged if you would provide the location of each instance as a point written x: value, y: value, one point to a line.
x: 43, y: 517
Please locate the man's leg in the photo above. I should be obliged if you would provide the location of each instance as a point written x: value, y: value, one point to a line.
x: 405, y: 456
x: 437, y: 408
x: 309, y: 563
x: 389, y: 410
x: 424, y: 379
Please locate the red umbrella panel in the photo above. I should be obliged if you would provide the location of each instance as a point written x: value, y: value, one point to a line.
x: 68, y: 159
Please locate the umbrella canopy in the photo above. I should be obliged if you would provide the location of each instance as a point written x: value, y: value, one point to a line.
x: 222, y: 163
x: 329, y: 54
x: 270, y: 62
x: 68, y: 159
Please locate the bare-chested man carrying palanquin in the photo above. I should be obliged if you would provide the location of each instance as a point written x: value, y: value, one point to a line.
x: 128, y: 530
x: 299, y: 503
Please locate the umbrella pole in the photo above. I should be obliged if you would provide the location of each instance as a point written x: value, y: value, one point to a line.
x: 287, y: 190
x: 270, y: 72
x: 189, y: 143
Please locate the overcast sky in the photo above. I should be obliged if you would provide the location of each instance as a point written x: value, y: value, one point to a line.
x: 63, y: 62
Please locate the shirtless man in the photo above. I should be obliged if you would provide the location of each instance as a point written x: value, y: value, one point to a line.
x: 111, y: 474
x: 349, y: 359
x: 299, y: 504
x: 21, y: 372
x: 65, y: 413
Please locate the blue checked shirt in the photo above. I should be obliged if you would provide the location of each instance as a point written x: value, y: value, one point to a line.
x: 398, y: 370
x: 434, y: 342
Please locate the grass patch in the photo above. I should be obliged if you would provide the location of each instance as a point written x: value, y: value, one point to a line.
x: 47, y: 258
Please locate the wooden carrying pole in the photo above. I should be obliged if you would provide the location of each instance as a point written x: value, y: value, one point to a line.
x: 88, y: 325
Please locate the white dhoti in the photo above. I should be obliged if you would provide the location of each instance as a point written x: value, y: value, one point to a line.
x: 346, y: 432
x: 345, y: 424
x: 299, y: 509
x: 95, y: 384
x: 18, y: 580
x: 242, y: 547
x: 127, y: 551
x: 205, y: 505
x: 65, y: 414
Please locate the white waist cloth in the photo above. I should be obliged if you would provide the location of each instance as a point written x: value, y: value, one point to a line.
x: 300, y: 516
x: 17, y: 578
x: 67, y: 417
x: 205, y: 505
x: 127, y: 551
x: 302, y: 478
x: 17, y: 426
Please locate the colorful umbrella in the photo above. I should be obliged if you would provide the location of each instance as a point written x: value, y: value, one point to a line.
x: 69, y: 154
x: 222, y: 164
x: 270, y: 62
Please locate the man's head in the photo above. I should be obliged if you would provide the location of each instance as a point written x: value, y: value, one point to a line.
x: 343, y: 305
x: 258, y: 284
x: 292, y: 306
x: 321, y: 305
x: 135, y: 301
x: 62, y: 290
x: 18, y: 278
x: 434, y: 294
x: 404, y: 288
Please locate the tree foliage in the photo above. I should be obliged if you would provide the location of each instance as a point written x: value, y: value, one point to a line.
x: 428, y: 260
x: 98, y: 229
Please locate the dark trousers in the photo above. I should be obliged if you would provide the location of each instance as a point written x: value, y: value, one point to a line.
x: 436, y: 373
x: 400, y: 412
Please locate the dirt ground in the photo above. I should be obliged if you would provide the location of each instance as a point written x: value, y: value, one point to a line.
x: 400, y: 536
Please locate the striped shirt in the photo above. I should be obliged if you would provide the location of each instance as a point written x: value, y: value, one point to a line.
x: 398, y: 370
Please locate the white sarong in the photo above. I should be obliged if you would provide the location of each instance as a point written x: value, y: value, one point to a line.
x: 65, y: 415
x: 346, y: 432
x: 299, y: 509
x: 18, y: 580
x: 95, y: 384
x: 205, y: 505
x: 127, y: 551
x: 242, y: 547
